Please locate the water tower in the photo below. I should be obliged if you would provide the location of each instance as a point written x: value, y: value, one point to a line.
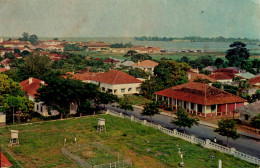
x: 14, y: 138
x: 101, y: 125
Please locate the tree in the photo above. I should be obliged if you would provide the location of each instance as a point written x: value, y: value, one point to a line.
x: 25, y: 36
x: 219, y: 62
x: 227, y: 128
x: 138, y: 73
x: 255, y: 122
x: 140, y: 57
x: 237, y: 54
x: 107, y: 98
x: 150, y: 109
x: 185, y: 59
x: 130, y: 53
x: 33, y: 39
x: 56, y: 39
x: 183, y: 119
x: 124, y: 103
x: 35, y: 66
x: 243, y: 84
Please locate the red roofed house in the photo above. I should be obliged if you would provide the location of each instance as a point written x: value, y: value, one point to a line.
x: 193, y: 76
x: 220, y: 77
x: 4, y: 161
x: 255, y: 81
x: 146, y: 65
x: 3, y: 70
x: 30, y: 86
x: 201, y: 99
x: 117, y: 82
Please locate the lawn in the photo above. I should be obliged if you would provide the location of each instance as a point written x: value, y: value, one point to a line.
x: 41, y: 143
x: 138, y: 100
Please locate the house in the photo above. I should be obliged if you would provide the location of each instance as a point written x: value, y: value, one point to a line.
x: 255, y: 81
x: 249, y: 111
x: 210, y: 68
x: 236, y: 69
x: 127, y: 63
x: 30, y: 86
x: 201, y: 99
x: 193, y: 76
x: 246, y: 75
x: 3, y: 70
x: 2, y: 119
x: 52, y: 42
x: 222, y: 78
x: 84, y: 77
x: 4, y: 161
x: 228, y: 72
x: 146, y: 65
x: 117, y: 82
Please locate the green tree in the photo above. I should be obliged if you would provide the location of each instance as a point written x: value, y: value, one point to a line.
x: 138, y: 73
x: 35, y: 66
x: 227, y: 128
x: 219, y: 63
x: 33, y: 39
x: 25, y: 36
x: 150, y: 109
x: 130, y: 53
x: 255, y: 122
x: 185, y: 59
x: 140, y: 57
x: 124, y: 103
x: 183, y: 119
x: 237, y: 54
x: 107, y: 98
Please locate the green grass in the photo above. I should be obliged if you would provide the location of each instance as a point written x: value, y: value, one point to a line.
x: 138, y: 100
x: 41, y: 143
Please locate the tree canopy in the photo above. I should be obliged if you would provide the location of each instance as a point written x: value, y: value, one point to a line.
x: 150, y: 109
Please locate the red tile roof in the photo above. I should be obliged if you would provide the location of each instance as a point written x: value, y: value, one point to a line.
x: 219, y: 76
x: 194, y: 76
x: 83, y: 76
x: 31, y: 89
x: 146, y: 63
x: 200, y: 93
x: 116, y: 77
x: 3, y: 70
x: 4, y: 161
x: 225, y: 70
x: 254, y: 80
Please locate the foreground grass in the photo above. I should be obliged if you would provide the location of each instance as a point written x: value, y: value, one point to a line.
x: 41, y: 143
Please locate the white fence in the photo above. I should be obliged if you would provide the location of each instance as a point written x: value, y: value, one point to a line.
x: 191, y: 138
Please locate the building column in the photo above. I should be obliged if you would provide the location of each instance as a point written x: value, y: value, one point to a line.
x: 168, y: 101
x: 196, y: 109
x: 235, y: 106
x: 216, y: 110
x: 189, y: 106
x: 156, y: 98
x: 205, y: 110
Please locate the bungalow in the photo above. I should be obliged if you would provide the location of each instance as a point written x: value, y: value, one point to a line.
x: 200, y: 99
x: 4, y: 161
x: 117, y: 82
x: 222, y: 78
x: 249, y: 111
x: 146, y: 65
x: 30, y: 86
x: 255, y: 81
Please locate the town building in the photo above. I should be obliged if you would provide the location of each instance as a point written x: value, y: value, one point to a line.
x: 222, y: 78
x: 210, y: 68
x: 255, y: 81
x: 249, y: 111
x: 146, y: 65
x: 193, y: 76
x: 30, y: 86
x: 4, y: 161
x: 117, y: 82
x: 201, y: 99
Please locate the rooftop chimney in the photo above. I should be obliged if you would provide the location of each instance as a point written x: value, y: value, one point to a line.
x: 30, y: 80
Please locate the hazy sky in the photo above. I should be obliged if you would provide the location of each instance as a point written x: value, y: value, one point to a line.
x: 128, y: 18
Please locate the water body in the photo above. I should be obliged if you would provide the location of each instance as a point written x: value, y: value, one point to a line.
x: 207, y: 46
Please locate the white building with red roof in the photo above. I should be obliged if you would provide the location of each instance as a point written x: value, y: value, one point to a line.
x: 117, y: 82
x: 4, y: 161
x: 30, y: 86
x: 201, y: 99
x: 255, y: 81
x: 146, y: 65
x: 221, y: 77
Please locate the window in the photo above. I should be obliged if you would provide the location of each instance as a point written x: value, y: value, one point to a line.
x: 246, y: 117
x: 103, y: 89
x: 109, y: 90
x: 41, y: 108
x: 129, y: 89
x: 199, y: 107
x: 115, y: 90
x: 37, y: 107
x: 213, y: 108
x: 138, y: 89
x: 123, y: 90
x: 184, y: 104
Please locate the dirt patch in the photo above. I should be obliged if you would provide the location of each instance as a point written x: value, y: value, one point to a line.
x: 143, y: 161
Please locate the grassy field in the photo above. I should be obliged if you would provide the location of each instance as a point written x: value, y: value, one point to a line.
x: 41, y: 143
x: 138, y: 100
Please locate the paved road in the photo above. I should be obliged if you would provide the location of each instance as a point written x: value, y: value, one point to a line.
x: 243, y: 144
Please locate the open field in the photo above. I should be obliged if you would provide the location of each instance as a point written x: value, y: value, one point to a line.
x: 41, y: 143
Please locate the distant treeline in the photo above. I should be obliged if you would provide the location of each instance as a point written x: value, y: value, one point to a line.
x: 196, y: 39
x: 121, y: 45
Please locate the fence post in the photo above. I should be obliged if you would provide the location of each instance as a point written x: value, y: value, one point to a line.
x: 174, y: 132
x: 145, y: 122
x: 219, y: 163
x: 107, y: 112
x: 232, y: 151
x: 121, y: 114
x: 132, y: 118
x: 207, y: 143
x: 192, y: 139
x: 159, y: 126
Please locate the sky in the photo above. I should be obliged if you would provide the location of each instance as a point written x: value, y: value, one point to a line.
x: 130, y: 18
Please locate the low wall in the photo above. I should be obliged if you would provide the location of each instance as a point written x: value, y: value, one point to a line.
x: 191, y: 138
